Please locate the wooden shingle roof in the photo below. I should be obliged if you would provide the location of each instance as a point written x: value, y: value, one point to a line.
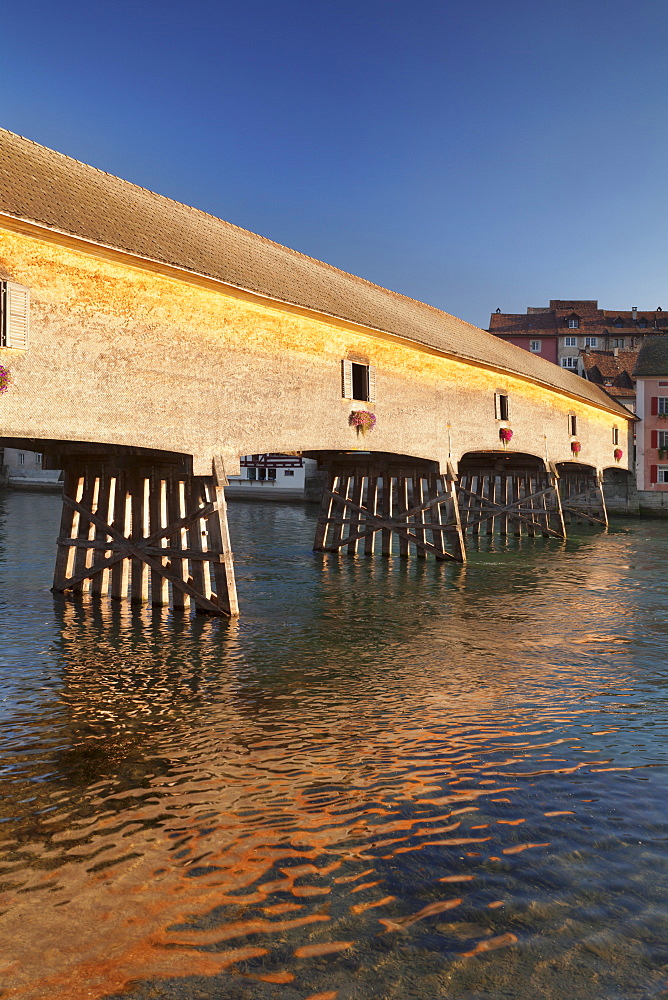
x: 61, y: 194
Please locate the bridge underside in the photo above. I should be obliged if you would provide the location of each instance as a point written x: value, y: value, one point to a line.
x: 137, y: 524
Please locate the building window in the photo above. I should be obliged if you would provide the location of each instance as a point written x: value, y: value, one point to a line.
x: 618, y: 323
x: 615, y: 435
x: 535, y: 346
x: 662, y: 476
x: 569, y: 363
x: 572, y: 424
x: 591, y: 341
x: 501, y: 406
x: 574, y: 323
x: 252, y: 472
x: 358, y: 381
x: 662, y: 402
x: 22, y: 458
x: 14, y: 315
x: 642, y: 323
x: 662, y: 439
x: 289, y: 472
x: 38, y: 458
x: 618, y: 342
x: 570, y: 341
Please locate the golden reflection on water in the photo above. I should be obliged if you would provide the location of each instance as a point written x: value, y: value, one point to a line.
x: 203, y: 814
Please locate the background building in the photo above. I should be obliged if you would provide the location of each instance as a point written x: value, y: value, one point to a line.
x: 560, y: 331
x: 652, y: 434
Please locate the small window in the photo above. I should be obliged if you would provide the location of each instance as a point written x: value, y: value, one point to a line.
x: 14, y: 315
x: 569, y: 363
x: 615, y: 435
x: 289, y: 472
x: 662, y: 474
x: 501, y: 406
x: 572, y: 424
x: 663, y: 404
x: 22, y: 458
x: 358, y: 381
x: 662, y: 439
x: 618, y: 322
x: 570, y: 341
x: 252, y: 472
x: 271, y: 473
x: 573, y: 323
x: 38, y: 458
x: 617, y: 342
x: 642, y: 323
x: 536, y: 346
x: 591, y: 341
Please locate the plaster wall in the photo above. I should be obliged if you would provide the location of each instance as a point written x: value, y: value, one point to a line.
x: 123, y: 354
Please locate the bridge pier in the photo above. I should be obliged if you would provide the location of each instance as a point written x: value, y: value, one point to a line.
x: 509, y: 495
x: 582, y: 498
x: 138, y: 529
x: 372, y: 498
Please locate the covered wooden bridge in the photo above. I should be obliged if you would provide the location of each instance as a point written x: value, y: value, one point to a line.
x: 150, y: 345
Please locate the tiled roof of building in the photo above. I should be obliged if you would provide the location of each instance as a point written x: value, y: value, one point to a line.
x: 609, y: 364
x: 593, y: 320
x: 64, y: 195
x: 652, y: 357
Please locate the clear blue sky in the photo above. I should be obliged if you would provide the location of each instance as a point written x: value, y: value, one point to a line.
x: 470, y: 153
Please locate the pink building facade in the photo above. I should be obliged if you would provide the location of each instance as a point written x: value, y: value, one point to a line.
x: 652, y: 453
x: 651, y: 375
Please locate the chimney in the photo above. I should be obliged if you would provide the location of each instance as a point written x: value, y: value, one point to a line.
x: 615, y: 352
x: 634, y: 312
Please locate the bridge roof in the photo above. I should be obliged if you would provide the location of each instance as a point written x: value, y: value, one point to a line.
x: 61, y: 194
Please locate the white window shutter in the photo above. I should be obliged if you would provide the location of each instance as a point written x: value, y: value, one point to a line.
x: 497, y: 406
x: 347, y: 379
x: 16, y: 315
x: 372, y: 384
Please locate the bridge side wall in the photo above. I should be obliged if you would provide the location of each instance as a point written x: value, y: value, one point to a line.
x: 123, y: 354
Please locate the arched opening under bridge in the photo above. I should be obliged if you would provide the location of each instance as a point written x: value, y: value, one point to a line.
x: 381, y: 502
x: 581, y: 491
x: 509, y: 493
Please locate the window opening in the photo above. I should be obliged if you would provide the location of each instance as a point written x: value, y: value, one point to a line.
x: 535, y: 346
x: 663, y: 404
x: 501, y: 406
x: 358, y: 381
x: 591, y: 341
x: 569, y: 362
x: 573, y: 323
x: 570, y: 341
x: 663, y: 474
x: 38, y: 458
x: 662, y: 439
x: 572, y: 424
x: 615, y: 435
x: 22, y: 458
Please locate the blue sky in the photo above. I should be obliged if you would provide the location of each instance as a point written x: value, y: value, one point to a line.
x: 470, y: 153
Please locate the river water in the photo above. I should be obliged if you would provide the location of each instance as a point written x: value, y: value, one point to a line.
x: 388, y: 780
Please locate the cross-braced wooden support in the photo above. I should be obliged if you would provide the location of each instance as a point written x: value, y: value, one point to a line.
x: 510, y: 501
x: 139, y: 531
x: 582, y: 496
x: 367, y: 499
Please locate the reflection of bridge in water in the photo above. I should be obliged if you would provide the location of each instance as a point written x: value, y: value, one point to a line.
x: 151, y: 345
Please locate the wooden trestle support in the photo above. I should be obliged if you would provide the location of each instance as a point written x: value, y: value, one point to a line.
x: 582, y: 496
x: 373, y: 498
x: 497, y: 499
x: 139, y: 531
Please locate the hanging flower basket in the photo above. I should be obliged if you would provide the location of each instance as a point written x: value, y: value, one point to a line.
x: 618, y: 454
x: 505, y: 434
x: 362, y: 421
x: 5, y: 378
x: 576, y: 447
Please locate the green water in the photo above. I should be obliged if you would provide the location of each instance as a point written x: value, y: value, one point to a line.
x: 388, y: 780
